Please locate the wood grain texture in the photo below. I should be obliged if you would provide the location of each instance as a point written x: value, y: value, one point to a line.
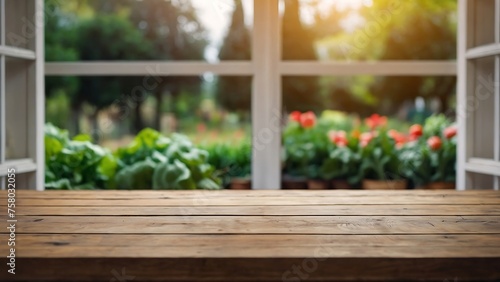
x: 195, y: 210
x: 256, y: 201
x: 255, y: 236
x: 255, y: 246
x: 180, y: 194
x: 259, y: 224
x: 259, y: 269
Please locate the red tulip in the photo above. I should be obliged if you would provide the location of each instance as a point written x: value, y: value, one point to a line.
x: 375, y: 121
x: 416, y: 130
x: 366, y: 138
x: 434, y: 143
x: 308, y: 120
x: 339, y: 138
x: 450, y: 132
x: 398, y: 137
x: 295, y: 116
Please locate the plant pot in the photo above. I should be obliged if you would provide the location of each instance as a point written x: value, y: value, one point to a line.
x: 293, y: 183
x: 384, y: 184
x: 314, y: 184
x: 240, y: 184
x: 441, y: 186
x: 340, y: 184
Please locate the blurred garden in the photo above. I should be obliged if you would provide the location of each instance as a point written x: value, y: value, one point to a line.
x: 195, y: 132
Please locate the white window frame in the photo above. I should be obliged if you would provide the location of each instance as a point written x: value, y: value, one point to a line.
x: 265, y: 67
x: 29, y: 170
x: 469, y: 165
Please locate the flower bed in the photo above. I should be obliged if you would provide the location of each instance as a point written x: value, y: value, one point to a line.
x: 337, y: 151
x: 331, y: 151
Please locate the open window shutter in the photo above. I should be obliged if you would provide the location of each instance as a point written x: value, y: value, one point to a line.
x: 478, y: 108
x: 22, y: 92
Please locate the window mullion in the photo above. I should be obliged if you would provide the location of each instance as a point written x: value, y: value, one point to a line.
x: 266, y: 96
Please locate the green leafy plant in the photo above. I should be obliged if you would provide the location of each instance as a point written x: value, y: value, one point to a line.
x: 305, y: 149
x: 75, y: 164
x: 231, y: 160
x: 432, y: 159
x: 342, y: 163
x: 158, y: 162
x: 380, y: 156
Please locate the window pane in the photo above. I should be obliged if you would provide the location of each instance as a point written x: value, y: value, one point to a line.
x: 200, y: 30
x: 481, y: 108
x: 20, y: 24
x: 480, y: 181
x: 16, y: 90
x: 369, y: 30
x: 347, y: 104
x: 212, y: 111
x: 483, y: 17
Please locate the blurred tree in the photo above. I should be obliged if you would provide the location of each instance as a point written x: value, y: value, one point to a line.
x: 234, y: 92
x: 299, y: 93
x: 124, y: 30
x: 397, y: 30
x: 176, y: 34
x: 60, y: 45
x: 427, y: 33
x: 112, y: 37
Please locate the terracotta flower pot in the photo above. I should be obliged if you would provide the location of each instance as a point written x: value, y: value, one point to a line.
x: 240, y: 184
x: 314, y: 184
x: 340, y: 184
x: 441, y: 186
x: 293, y: 183
x: 384, y: 184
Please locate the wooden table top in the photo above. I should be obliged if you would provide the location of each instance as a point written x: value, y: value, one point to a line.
x: 284, y: 235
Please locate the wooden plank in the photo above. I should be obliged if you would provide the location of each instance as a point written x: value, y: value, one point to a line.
x: 224, y: 251
x: 255, y: 201
x: 259, y: 224
x: 247, y: 269
x: 359, y: 210
x: 66, y: 242
x: 179, y: 194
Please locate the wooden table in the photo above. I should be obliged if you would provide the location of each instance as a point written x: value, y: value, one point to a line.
x: 254, y: 235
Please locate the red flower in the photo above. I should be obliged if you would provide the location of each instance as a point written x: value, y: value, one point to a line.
x: 295, y: 116
x: 450, y: 132
x: 416, y: 130
x: 308, y: 120
x: 375, y: 121
x: 366, y: 138
x: 339, y: 138
x: 398, y: 137
x: 434, y: 143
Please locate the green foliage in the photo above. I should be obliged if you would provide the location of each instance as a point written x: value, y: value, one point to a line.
x: 422, y: 164
x: 72, y: 164
x: 342, y: 163
x: 231, y: 160
x: 151, y: 161
x: 435, y: 125
x: 380, y: 158
x: 304, y: 150
x: 155, y: 161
